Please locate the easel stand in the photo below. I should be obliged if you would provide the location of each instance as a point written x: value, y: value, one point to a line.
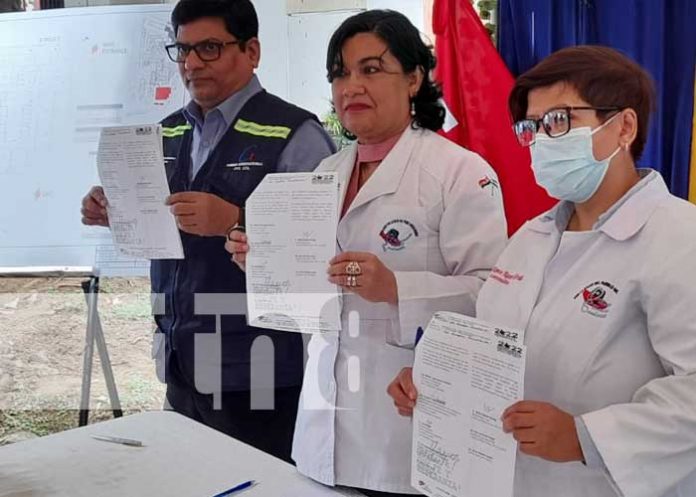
x: 94, y: 334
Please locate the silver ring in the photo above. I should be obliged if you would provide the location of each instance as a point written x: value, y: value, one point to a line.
x: 352, y: 281
x: 353, y: 268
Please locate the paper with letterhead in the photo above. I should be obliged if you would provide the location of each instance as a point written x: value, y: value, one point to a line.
x: 291, y: 221
x: 130, y: 161
x: 467, y: 372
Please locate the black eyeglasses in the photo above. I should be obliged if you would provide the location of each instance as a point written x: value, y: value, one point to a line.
x: 207, y: 50
x: 556, y: 123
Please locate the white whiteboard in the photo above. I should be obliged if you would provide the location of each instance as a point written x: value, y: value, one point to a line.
x: 67, y: 73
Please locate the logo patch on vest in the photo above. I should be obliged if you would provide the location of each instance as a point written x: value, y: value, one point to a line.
x: 248, y: 159
x: 396, y: 233
x: 596, y: 298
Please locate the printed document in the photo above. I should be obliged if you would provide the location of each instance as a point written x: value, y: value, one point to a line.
x: 467, y: 373
x: 131, y: 168
x: 291, y: 221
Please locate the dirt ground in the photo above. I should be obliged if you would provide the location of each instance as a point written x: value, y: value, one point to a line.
x: 42, y: 338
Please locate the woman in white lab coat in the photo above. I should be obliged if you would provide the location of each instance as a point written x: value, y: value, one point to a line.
x: 421, y: 224
x: 605, y: 290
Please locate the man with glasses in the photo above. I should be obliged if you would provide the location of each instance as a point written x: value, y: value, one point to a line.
x: 217, y: 149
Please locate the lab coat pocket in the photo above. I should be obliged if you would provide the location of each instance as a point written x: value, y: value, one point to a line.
x: 372, y: 363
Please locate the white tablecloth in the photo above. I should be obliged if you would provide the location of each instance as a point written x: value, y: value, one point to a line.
x: 180, y: 458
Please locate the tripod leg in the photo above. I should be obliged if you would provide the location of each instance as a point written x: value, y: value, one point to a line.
x: 106, y: 367
x: 90, y: 289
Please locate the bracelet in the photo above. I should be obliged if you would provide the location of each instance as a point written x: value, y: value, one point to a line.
x: 236, y: 227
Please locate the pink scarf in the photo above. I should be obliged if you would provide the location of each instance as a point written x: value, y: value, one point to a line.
x: 375, y: 152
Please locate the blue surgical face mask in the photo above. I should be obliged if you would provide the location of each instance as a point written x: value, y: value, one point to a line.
x: 565, y: 166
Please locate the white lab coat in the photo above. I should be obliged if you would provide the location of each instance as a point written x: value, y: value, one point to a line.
x: 626, y: 361
x: 451, y: 228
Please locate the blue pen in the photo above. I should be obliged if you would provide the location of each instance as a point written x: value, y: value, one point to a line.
x: 238, y: 488
x: 419, y: 334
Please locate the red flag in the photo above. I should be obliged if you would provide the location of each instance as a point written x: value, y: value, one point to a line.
x: 476, y: 85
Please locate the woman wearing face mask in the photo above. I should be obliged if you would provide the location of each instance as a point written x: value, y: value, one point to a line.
x: 422, y: 223
x: 606, y: 293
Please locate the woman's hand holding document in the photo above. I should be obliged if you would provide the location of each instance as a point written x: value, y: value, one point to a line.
x: 131, y: 168
x: 291, y: 221
x: 466, y: 373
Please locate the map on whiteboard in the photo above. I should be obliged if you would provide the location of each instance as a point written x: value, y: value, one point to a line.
x: 66, y: 74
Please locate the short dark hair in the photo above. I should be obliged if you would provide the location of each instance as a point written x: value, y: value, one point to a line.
x: 404, y: 41
x: 602, y: 76
x: 239, y: 16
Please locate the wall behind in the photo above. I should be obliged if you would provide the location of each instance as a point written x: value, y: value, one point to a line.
x: 308, y: 37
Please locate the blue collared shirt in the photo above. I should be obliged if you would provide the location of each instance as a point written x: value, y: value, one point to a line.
x: 308, y: 146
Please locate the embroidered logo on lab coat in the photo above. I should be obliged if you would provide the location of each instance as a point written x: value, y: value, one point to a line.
x: 596, y: 298
x: 247, y: 160
x: 489, y: 183
x: 396, y: 233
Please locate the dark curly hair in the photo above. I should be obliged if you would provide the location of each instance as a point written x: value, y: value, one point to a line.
x: 405, y: 43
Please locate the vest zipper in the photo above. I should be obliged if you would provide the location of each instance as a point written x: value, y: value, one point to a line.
x: 177, y: 268
x: 174, y: 296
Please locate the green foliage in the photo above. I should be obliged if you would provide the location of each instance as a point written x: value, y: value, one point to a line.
x: 335, y: 129
x: 47, y: 416
x: 39, y: 423
x: 487, y: 12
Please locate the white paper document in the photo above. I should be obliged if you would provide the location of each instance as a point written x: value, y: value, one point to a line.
x: 291, y: 221
x: 467, y: 373
x: 130, y: 161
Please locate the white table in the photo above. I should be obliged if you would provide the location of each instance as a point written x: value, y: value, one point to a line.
x: 180, y: 457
